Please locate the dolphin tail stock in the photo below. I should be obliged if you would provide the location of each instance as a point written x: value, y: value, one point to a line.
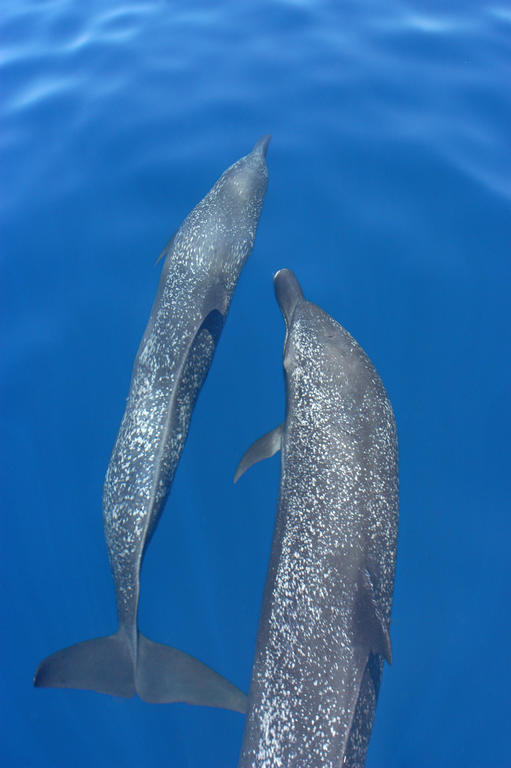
x: 161, y: 674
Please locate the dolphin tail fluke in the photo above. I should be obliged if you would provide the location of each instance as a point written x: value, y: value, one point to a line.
x: 165, y: 674
x: 103, y: 664
x: 161, y: 675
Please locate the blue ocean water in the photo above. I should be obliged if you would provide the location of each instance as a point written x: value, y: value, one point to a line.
x: 389, y: 196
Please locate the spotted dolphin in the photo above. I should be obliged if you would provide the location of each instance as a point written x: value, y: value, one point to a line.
x: 202, y: 265
x: 324, y: 624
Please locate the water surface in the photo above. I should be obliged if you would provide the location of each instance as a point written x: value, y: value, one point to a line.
x: 389, y: 196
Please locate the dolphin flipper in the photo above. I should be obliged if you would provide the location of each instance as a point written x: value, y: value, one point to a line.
x: 103, y: 664
x: 263, y: 448
x: 165, y: 675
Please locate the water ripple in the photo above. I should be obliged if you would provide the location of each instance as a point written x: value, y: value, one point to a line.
x: 389, y: 194
x: 120, y: 79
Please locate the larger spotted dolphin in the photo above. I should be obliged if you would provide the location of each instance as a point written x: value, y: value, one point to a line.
x: 202, y: 266
x: 324, y: 624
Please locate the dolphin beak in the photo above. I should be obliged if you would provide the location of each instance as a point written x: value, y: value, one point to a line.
x: 261, y: 146
x: 288, y: 293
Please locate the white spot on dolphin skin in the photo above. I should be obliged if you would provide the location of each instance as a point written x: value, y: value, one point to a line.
x: 337, y: 507
x: 204, y: 258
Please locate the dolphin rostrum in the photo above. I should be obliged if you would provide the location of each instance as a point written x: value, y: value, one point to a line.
x: 202, y: 265
x: 324, y: 624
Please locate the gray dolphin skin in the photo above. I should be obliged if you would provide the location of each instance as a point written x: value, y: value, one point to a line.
x: 202, y: 265
x: 324, y: 624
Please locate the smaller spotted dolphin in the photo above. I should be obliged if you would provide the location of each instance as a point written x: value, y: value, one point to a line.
x: 202, y: 265
x: 324, y: 624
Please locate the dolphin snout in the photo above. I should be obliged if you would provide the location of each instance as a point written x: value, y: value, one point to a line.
x: 261, y: 146
x: 288, y: 292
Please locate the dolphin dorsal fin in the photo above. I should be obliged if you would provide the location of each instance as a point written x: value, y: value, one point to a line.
x: 263, y: 448
x: 371, y: 627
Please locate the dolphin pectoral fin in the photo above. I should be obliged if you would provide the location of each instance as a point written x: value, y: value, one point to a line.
x: 263, y: 448
x: 103, y: 665
x: 165, y: 674
x: 371, y: 627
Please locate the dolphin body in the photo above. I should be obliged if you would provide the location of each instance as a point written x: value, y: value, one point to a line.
x: 202, y: 265
x: 324, y: 624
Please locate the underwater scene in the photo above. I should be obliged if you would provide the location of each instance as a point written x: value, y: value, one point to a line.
x: 235, y: 231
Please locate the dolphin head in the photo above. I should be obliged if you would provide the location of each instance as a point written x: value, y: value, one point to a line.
x: 315, y: 343
x: 245, y: 182
x: 232, y: 208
